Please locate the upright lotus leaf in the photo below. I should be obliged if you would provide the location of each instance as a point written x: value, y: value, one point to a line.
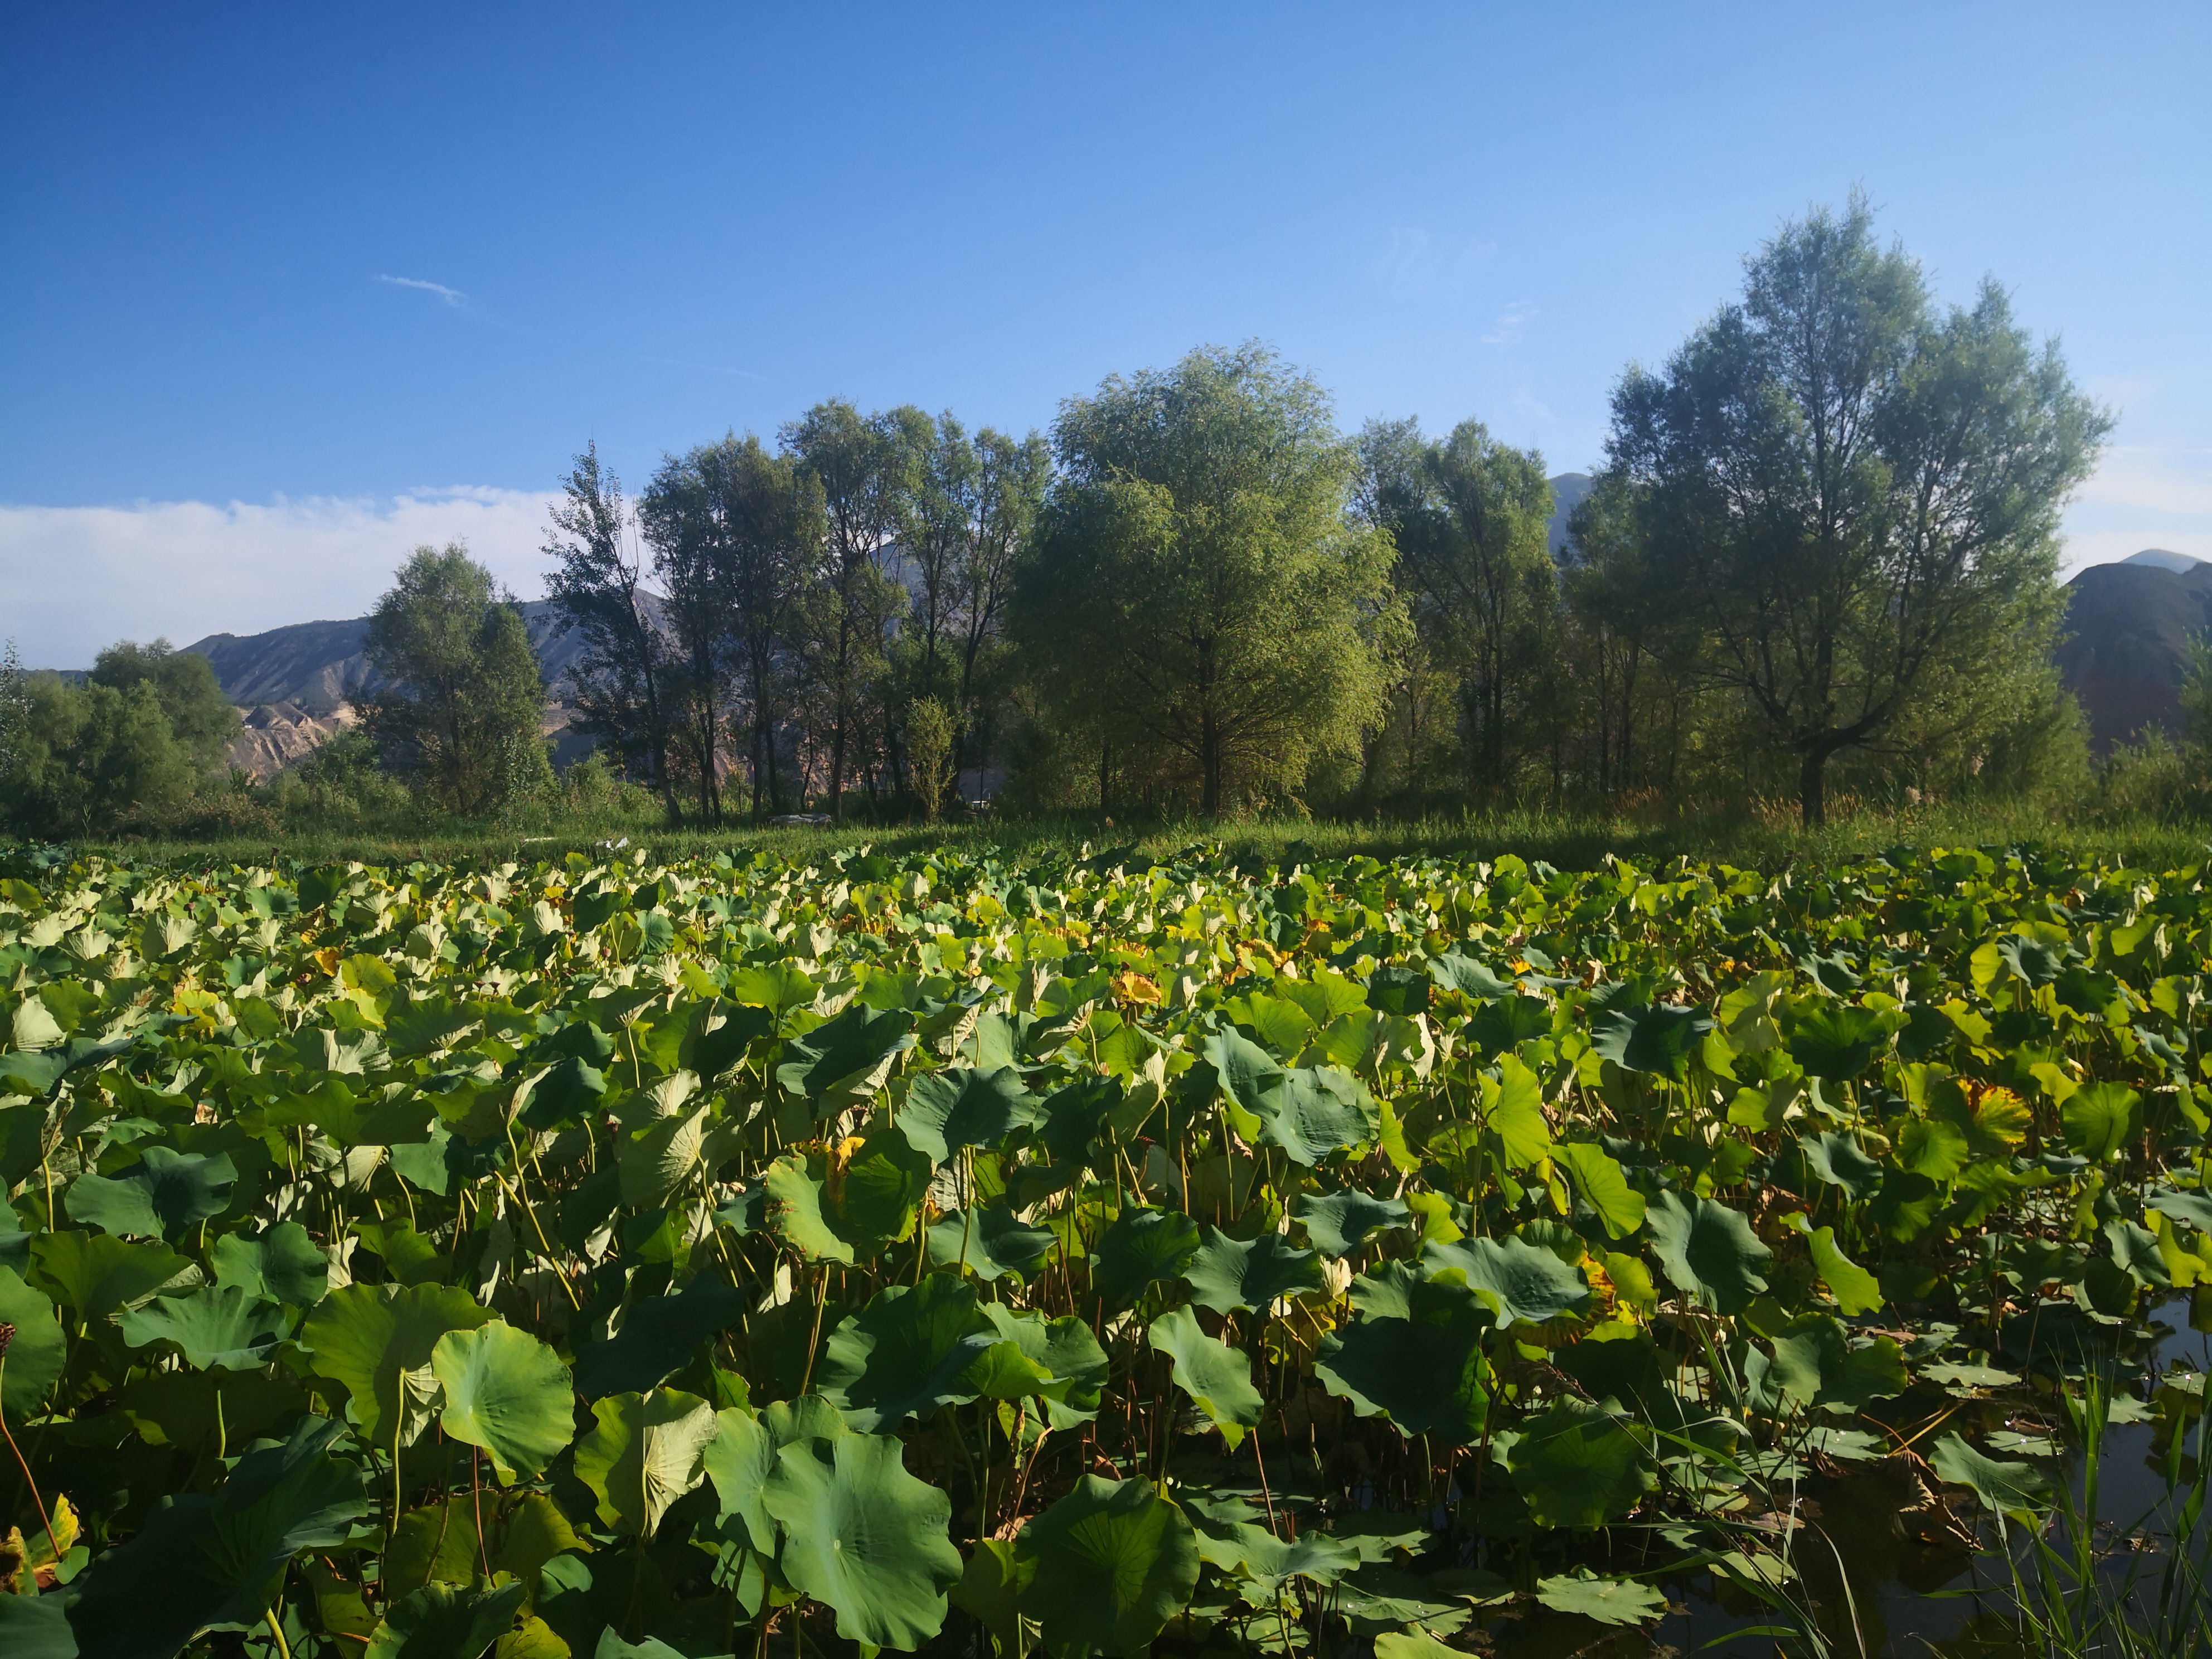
x: 201, y: 1559
x: 1414, y: 1356
x: 1142, y: 1247
x: 36, y: 1626
x: 1607, y: 1600
x: 1835, y: 1160
x: 778, y: 986
x: 905, y: 1354
x: 1708, y: 1250
x: 1658, y: 1040
x: 1601, y: 1183
x: 2013, y: 1489
x: 1340, y: 1223
x: 611, y: 1646
x: 989, y: 1590
x: 1521, y: 1282
x: 961, y: 1107
x: 1834, y: 1041
x: 158, y: 1197
x: 1313, y: 1112
x: 1066, y: 1352
x: 1932, y: 1147
x: 1855, y: 1289
x: 448, y: 1621
x: 437, y: 1543
x: 1506, y: 1023
x: 844, y: 1062
x: 2098, y: 1120
x: 1513, y: 1110
x: 35, y: 1356
x: 989, y: 1242
x: 658, y: 1337
x: 1107, y: 1566
x: 1248, y: 1074
x: 1213, y: 1374
x: 226, y: 1327
x: 644, y: 1453
x: 865, y: 1537
x: 739, y: 1460
x: 1577, y: 1466
x: 507, y: 1392
x: 660, y: 1158
x: 1471, y: 978
x: 1265, y: 1562
x: 282, y: 1265
x: 834, y: 1209
x: 377, y: 1339
x: 1231, y: 1277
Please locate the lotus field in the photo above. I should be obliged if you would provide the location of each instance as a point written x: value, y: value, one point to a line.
x: 930, y: 1252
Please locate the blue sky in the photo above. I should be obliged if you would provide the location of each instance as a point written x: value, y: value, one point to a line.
x: 282, y: 289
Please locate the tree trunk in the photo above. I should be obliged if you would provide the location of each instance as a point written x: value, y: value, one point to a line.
x: 1812, y: 789
x: 1209, y: 745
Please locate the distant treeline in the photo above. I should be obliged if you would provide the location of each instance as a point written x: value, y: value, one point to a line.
x: 1822, y: 553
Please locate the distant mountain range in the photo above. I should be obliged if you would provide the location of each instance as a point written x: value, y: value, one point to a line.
x: 2128, y: 626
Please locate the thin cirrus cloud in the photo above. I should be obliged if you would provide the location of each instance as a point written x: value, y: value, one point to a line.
x: 1417, y: 262
x: 1511, y: 324
x: 75, y: 579
x: 452, y: 296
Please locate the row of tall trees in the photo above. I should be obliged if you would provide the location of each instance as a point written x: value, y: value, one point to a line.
x: 778, y: 614
x: 1826, y: 535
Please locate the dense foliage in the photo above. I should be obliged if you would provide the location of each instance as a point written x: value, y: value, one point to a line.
x: 924, y: 1251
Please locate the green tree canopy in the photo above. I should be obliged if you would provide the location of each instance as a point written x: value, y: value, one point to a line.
x: 201, y: 717
x: 1856, y: 493
x: 1201, y: 603
x: 463, y: 703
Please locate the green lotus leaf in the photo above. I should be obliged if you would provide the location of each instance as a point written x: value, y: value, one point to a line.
x: 1218, y: 1376
x: 1658, y: 1040
x: 204, y: 1559
x: 1231, y: 1277
x: 1107, y: 1566
x: 35, y: 1356
x: 1708, y: 1250
x: 1836, y: 1042
x: 1607, y: 1600
x: 1267, y: 1562
x: 2039, y: 962
x: 507, y: 1392
x: 446, y: 1621
x: 844, y: 1062
x: 158, y: 1197
x: 2012, y: 1489
x: 843, y: 1213
x: 1836, y: 1160
x: 658, y: 1337
x: 960, y: 1107
x: 661, y: 1157
x: 1522, y: 1284
x: 282, y: 1265
x: 739, y: 1460
x: 1249, y: 1073
x: 1066, y: 1352
x: 36, y: 1626
x: 2100, y: 1119
x: 988, y: 1241
x: 1340, y: 1223
x: 1471, y: 978
x: 1601, y: 1183
x: 1855, y: 1289
x: 224, y: 1328
x: 644, y: 1452
x: 1508, y: 1022
x: 1313, y: 1112
x: 905, y: 1354
x: 989, y: 1590
x: 1577, y: 1466
x: 1414, y: 1356
x: 1932, y: 1147
x: 864, y: 1538
x: 611, y: 1646
x: 377, y: 1339
x: 1142, y: 1247
x: 1513, y: 1110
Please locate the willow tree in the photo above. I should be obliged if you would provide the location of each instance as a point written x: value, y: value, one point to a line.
x: 1856, y: 491
x: 1200, y: 600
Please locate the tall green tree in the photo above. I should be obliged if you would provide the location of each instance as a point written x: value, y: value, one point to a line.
x: 866, y: 467
x: 1856, y: 491
x: 767, y: 554
x: 201, y: 717
x: 1200, y: 597
x: 1467, y: 515
x: 92, y: 759
x: 462, y: 705
x: 620, y: 678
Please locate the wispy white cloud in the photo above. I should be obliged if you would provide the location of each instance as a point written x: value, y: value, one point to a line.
x: 1417, y: 262
x: 74, y: 579
x: 2142, y: 496
x: 452, y: 296
x: 1512, y: 323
